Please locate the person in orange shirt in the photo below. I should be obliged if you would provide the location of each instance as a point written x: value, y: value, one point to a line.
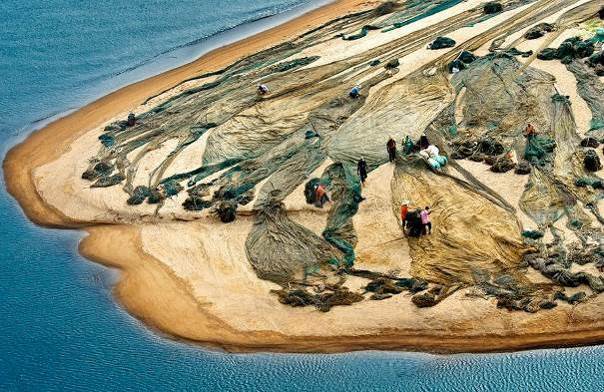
x: 530, y: 130
x: 404, y: 212
x: 321, y: 195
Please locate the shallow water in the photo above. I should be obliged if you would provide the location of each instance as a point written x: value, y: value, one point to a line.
x: 60, y: 327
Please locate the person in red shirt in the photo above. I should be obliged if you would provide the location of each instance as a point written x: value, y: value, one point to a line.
x: 530, y: 130
x: 321, y: 195
x: 404, y: 212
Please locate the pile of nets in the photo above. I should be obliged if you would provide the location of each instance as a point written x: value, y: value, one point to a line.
x: 101, y: 169
x: 596, y: 61
x: 324, y: 300
x: 415, y: 227
x: 492, y: 7
x: 461, y: 62
x: 592, y: 161
x: 442, y: 43
x: 503, y: 164
x: 477, y: 150
x: 363, y: 33
x: 539, y: 149
x: 590, y: 142
x: 139, y: 194
x: 384, y: 288
x: 593, y: 182
x: 108, y: 181
x: 539, y: 31
x: 569, y: 49
x: 532, y: 234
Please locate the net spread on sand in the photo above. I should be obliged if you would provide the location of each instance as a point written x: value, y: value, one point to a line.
x: 308, y: 132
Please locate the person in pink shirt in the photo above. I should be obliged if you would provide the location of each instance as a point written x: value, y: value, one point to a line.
x: 425, y: 216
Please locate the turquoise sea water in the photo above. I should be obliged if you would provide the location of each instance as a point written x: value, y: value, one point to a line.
x: 60, y: 328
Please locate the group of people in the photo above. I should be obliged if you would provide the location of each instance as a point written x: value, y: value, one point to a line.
x: 408, y: 146
x: 414, y: 223
x: 417, y: 222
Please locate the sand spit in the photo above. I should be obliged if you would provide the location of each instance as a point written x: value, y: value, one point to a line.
x: 205, y: 146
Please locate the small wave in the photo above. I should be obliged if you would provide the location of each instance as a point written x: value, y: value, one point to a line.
x: 51, y: 115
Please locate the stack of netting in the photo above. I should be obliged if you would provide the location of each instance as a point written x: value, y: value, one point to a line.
x: 346, y: 194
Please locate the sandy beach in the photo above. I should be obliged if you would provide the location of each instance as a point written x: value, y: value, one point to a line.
x: 37, y: 151
x: 187, y: 275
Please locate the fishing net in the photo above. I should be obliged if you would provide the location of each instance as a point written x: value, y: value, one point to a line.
x: 484, y: 238
x: 493, y: 7
x: 400, y: 109
x: 538, y: 149
x: 591, y: 89
x: 280, y: 249
x: 346, y: 194
x: 363, y: 33
x: 258, y: 150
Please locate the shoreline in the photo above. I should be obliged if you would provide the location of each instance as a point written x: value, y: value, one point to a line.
x: 151, y: 292
x: 212, y: 332
x: 24, y: 157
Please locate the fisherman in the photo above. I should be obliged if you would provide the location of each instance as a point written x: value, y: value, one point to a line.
x: 425, y: 216
x: 530, y: 130
x: 321, y: 195
x: 408, y: 145
x: 423, y: 142
x: 131, y: 120
x: 355, y: 92
x: 263, y: 89
x: 414, y: 223
x: 362, y: 170
x: 404, y: 212
x: 391, y: 148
